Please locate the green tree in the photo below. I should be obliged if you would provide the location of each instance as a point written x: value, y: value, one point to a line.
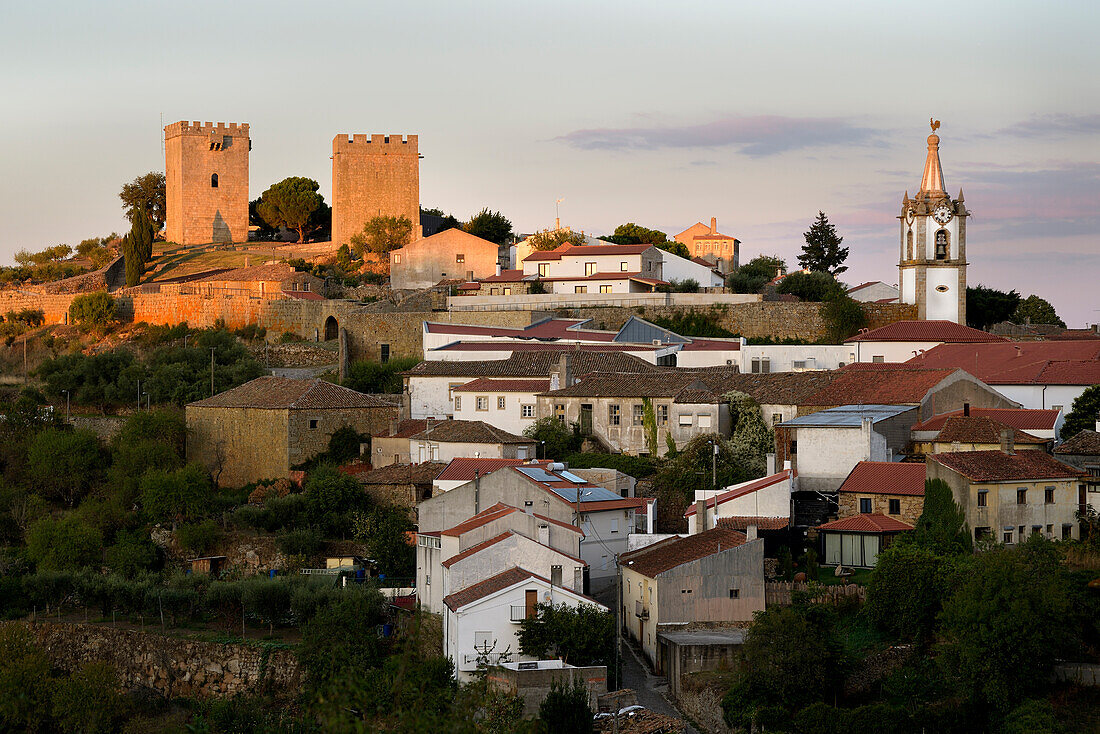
x: 756, y: 273
x: 131, y: 554
x: 822, y: 251
x: 582, y: 635
x: 566, y: 711
x: 1004, y: 625
x: 677, y: 478
x: 814, y: 286
x: 333, y: 650
x: 941, y: 527
x: 382, y: 234
x: 269, y: 599
x: 449, y: 221
x: 147, y: 441
x: 384, y: 530
x: 1034, y: 716
x: 633, y: 234
x: 89, y: 702
x: 988, y: 306
x: 25, y: 682
x: 490, y: 225
x: 751, y: 439
x: 377, y: 377
x: 844, y: 316
x: 332, y: 496
x: 1036, y: 310
x: 145, y: 194
x: 92, y: 310
x: 65, y: 464
x: 137, y: 247
x: 907, y: 588
x: 554, y: 439
x: 344, y: 443
x: 290, y: 203
x: 183, y: 494
x: 1083, y: 414
x: 58, y: 545
x: 549, y: 239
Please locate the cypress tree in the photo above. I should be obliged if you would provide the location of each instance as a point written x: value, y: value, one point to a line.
x: 822, y: 251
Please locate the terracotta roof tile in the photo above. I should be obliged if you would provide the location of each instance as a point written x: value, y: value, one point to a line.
x: 493, y: 541
x: 889, y: 386
x: 272, y: 272
x: 422, y: 473
x: 1014, y: 363
x: 1086, y: 442
x: 926, y: 331
x: 405, y: 428
x: 775, y: 388
x: 484, y: 588
x: 684, y: 388
x: 584, y: 250
x: 458, y: 431
x: 741, y: 522
x: 876, y: 523
x: 467, y: 469
x: 535, y: 364
x: 1023, y: 419
x: 282, y: 393
x: 886, y: 477
x: 666, y: 555
x: 496, y: 512
x: 997, y: 466
x: 980, y: 429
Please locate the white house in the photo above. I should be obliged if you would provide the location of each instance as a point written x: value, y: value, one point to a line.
x: 508, y: 404
x: 903, y: 340
x: 765, y: 358
x: 874, y: 292
x: 605, y: 268
x: 416, y: 441
x: 767, y: 497
x: 677, y: 268
x: 482, y: 621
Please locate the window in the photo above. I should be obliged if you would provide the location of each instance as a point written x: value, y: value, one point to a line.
x: 761, y: 365
x: 1021, y: 529
x: 865, y: 506
x: 982, y: 533
x: 909, y: 244
x: 613, y: 415
x: 777, y: 418
x: 1048, y: 495
x: 605, y: 289
x: 638, y: 415
x: 526, y: 411
x: 482, y: 402
x: 624, y: 267
x: 1008, y: 537
x: 649, y: 265
x: 686, y: 419
x: 559, y: 412
x: 603, y: 562
x: 589, y: 269
x: 460, y: 258
x: 735, y: 593
x: 384, y: 353
x: 213, y: 180
x: 794, y: 447
x: 1021, y: 496
x: 483, y: 641
x: 544, y: 269
x: 878, y: 359
x: 614, y: 524
x: 662, y: 415
x: 895, y: 507
x: 506, y: 291
x: 428, y: 579
x: 983, y: 497
x: 397, y: 258
x: 1050, y: 530
x: 704, y: 421
x: 941, y: 244
x: 458, y: 403
x: 685, y: 591
x: 580, y: 289
x: 312, y: 423
x: 501, y: 402
x: 1067, y: 531
x: 798, y: 364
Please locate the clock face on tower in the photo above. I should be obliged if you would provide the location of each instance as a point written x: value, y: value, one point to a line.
x: 942, y: 214
x: 910, y: 214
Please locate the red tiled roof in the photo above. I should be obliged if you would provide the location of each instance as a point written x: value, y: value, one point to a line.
x: 506, y: 276
x: 405, y: 429
x: 1086, y: 442
x: 926, y: 331
x: 470, y: 287
x: 875, y: 523
x: 459, y: 431
x: 742, y: 522
x: 1070, y: 362
x: 422, y: 473
x: 483, y: 384
x: 285, y: 393
x: 496, y: 512
x: 980, y: 429
x: 749, y: 488
x: 875, y: 384
x: 583, y: 250
x: 624, y: 504
x: 668, y: 554
x: 536, y: 364
x: 467, y: 469
x: 712, y: 236
x: 493, y: 541
x: 861, y: 286
x: 886, y: 477
x: 304, y: 295
x: 489, y: 586
x: 545, y: 346
x: 1023, y: 419
x: 997, y: 466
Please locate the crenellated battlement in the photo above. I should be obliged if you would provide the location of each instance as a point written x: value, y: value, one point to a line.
x: 183, y: 127
x: 377, y: 143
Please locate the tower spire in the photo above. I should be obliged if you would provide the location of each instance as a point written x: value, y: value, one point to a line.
x: 931, y: 184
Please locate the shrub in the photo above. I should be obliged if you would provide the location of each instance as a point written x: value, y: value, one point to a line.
x: 131, y: 554
x: 303, y: 542
x: 25, y: 682
x: 92, y: 310
x: 63, y: 544
x: 269, y: 599
x: 566, y: 709
x: 199, y: 538
x: 89, y: 701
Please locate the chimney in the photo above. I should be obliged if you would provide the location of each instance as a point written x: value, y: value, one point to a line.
x: 565, y: 370
x: 771, y: 465
x: 555, y: 575
x: 966, y: 409
x: 477, y: 491
x: 393, y: 427
x: 544, y: 537
x: 1008, y: 442
x: 750, y: 533
x: 714, y: 225
x: 700, y: 515
x: 786, y: 464
x: 498, y: 270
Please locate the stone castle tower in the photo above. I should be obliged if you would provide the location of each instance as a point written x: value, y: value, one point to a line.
x: 932, y: 262
x: 206, y: 182
x: 373, y: 176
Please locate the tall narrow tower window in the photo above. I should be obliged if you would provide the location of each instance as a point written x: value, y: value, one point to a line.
x: 909, y: 244
x: 941, y: 244
x: 213, y: 180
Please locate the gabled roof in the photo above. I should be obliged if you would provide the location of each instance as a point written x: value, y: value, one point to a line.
x: 1086, y: 442
x: 683, y: 388
x: 571, y: 489
x: 980, y: 429
x: 482, y: 384
x: 997, y: 466
x: 502, y: 581
x: 496, y: 512
x: 1024, y: 419
x: 1072, y: 362
x: 740, y: 490
x: 848, y: 416
x: 877, y: 384
x: 775, y: 388
x: 947, y: 332
x: 458, y: 431
x: 585, y: 250
x: 668, y: 554
x: 534, y: 364
x: 871, y: 523
x: 499, y: 538
x: 405, y: 428
x: 422, y: 473
x: 886, y: 477
x: 285, y: 393
x: 742, y: 522
x: 467, y: 469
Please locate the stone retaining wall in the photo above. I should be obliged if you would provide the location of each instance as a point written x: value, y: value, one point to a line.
x: 169, y: 665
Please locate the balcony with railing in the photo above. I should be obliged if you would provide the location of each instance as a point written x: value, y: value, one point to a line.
x: 642, y: 612
x: 519, y: 613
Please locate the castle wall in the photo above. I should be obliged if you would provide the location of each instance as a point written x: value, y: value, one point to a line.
x: 373, y: 176
x: 196, y: 211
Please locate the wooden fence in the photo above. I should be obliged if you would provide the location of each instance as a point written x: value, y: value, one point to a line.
x: 779, y: 593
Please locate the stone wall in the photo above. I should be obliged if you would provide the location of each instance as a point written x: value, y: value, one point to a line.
x: 196, y: 210
x: 111, y: 275
x: 374, y: 175
x: 911, y: 507
x: 169, y: 665
x: 534, y: 685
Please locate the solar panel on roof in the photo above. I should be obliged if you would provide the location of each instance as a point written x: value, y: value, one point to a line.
x: 539, y: 475
x: 573, y: 477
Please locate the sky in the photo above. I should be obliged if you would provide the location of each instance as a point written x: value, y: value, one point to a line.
x: 659, y: 113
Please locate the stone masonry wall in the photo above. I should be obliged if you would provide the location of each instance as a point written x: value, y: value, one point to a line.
x: 197, y: 212
x: 172, y: 666
x: 911, y: 507
x: 371, y: 176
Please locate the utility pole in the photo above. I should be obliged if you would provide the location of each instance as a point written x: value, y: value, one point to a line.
x: 618, y: 641
x: 24, y: 360
x: 68, y: 414
x: 714, y: 465
x: 211, y: 371
x: 139, y: 394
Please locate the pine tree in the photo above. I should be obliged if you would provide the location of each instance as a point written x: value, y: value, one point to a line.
x: 822, y: 251
x: 137, y: 247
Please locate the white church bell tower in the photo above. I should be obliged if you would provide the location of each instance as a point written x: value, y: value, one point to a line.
x: 932, y: 264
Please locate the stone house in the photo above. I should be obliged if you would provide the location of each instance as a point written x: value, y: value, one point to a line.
x: 403, y: 485
x: 275, y: 280
x: 1044, y: 424
x: 1083, y: 452
x: 715, y: 577
x: 978, y: 433
x: 264, y: 427
x: 1006, y: 495
x: 711, y: 245
x: 417, y: 441
x: 508, y: 404
x: 891, y: 488
x: 449, y: 254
